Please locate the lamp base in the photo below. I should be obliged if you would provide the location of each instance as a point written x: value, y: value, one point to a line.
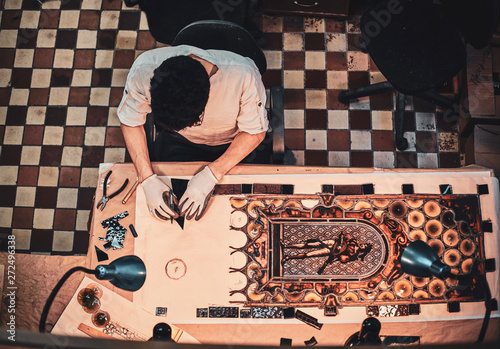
x: 369, y: 334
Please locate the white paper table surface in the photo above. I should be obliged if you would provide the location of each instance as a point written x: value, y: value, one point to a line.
x: 204, y: 247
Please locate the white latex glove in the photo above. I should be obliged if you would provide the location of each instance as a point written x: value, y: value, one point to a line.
x: 199, y: 190
x: 157, y: 192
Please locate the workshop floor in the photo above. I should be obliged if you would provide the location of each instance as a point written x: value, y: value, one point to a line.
x: 62, y: 72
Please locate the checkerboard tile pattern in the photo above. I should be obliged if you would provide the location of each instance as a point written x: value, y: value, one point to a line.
x: 63, y: 67
x: 62, y: 70
x: 316, y: 58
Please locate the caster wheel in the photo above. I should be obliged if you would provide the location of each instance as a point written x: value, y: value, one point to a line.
x: 402, y: 144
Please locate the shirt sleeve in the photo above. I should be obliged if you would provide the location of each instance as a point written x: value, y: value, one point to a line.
x: 136, y: 100
x: 252, y: 117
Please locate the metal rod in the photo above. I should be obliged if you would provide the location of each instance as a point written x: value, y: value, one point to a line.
x: 130, y: 192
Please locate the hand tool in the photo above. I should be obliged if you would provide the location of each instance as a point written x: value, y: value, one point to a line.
x: 171, y: 200
x: 102, y: 203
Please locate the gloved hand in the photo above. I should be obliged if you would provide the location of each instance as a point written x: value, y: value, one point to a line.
x: 199, y: 190
x: 157, y: 197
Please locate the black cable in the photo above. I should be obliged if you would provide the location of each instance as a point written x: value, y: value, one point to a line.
x: 53, y: 294
x: 487, y: 303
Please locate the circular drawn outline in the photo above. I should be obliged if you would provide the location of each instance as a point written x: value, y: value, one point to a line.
x: 175, y: 260
x: 240, y: 218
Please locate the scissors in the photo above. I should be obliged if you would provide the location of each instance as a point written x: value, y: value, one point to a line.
x: 102, y: 203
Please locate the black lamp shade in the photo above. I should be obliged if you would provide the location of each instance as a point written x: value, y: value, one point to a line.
x: 127, y: 273
x: 419, y: 259
x: 370, y: 325
x: 369, y: 334
x: 162, y: 332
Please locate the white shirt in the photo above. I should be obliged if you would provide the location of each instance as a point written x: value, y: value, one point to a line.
x: 236, y: 101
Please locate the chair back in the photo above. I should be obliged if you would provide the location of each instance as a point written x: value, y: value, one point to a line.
x: 167, y: 17
x: 418, y: 45
x: 414, y: 45
x: 222, y: 35
x: 477, y: 20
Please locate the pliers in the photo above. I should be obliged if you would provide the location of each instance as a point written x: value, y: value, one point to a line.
x: 102, y: 203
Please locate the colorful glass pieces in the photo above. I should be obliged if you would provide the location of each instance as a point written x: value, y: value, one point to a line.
x: 398, y: 209
x: 416, y: 218
x: 432, y: 208
x: 430, y: 219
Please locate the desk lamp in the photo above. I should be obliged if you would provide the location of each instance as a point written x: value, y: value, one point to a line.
x: 419, y: 259
x: 127, y: 273
x: 368, y: 335
x: 162, y: 332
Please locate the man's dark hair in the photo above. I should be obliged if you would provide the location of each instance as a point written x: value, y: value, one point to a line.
x: 179, y: 92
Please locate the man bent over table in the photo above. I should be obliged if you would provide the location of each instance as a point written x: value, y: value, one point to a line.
x: 211, y: 106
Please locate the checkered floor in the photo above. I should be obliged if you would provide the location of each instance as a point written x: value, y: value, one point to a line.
x: 62, y: 72
x: 315, y: 59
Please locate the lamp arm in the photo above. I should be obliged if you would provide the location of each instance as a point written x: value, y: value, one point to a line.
x: 487, y: 304
x: 54, y: 292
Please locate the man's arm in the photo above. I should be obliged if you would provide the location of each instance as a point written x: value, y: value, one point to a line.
x: 243, y: 144
x: 154, y: 187
x: 195, y: 199
x: 135, y: 140
x: 252, y: 117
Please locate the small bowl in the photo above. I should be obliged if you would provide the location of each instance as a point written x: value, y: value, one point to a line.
x: 97, y: 289
x: 91, y: 305
x: 100, y: 318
